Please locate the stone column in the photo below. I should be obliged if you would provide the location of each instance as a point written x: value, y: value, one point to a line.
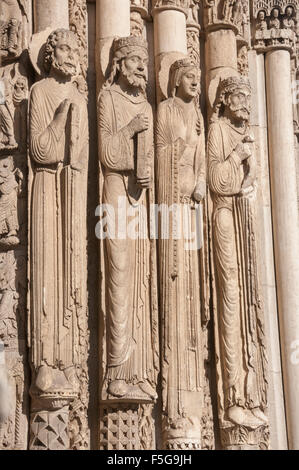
x: 112, y: 19
x: 170, y: 39
x: 50, y: 13
x: 286, y: 224
x: 277, y: 421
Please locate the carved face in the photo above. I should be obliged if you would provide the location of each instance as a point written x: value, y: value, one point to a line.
x: 189, y: 83
x: 261, y: 16
x: 66, y: 56
x: 238, y: 103
x: 134, y: 67
x: 289, y: 12
x: 6, y: 167
x: 275, y: 13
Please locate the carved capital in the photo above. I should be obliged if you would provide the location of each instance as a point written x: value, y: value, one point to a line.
x: 275, y: 25
x: 227, y: 14
x: 140, y: 6
x: 180, y: 5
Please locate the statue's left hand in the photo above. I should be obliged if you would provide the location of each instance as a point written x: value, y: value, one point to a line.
x: 200, y: 191
x: 144, y: 182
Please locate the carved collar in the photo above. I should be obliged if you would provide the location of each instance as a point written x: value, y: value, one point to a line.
x: 134, y: 99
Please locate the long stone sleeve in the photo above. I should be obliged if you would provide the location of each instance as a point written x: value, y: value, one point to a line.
x: 45, y: 147
x: 116, y: 147
x: 225, y: 176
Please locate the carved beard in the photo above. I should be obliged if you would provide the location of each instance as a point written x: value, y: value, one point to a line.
x: 64, y: 69
x: 240, y: 113
x: 137, y: 82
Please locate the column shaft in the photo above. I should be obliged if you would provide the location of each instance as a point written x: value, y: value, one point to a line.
x: 286, y: 225
x: 277, y: 421
x: 50, y: 13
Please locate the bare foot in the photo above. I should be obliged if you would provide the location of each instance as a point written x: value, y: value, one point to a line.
x: 257, y: 412
x: 243, y: 417
x: 118, y: 388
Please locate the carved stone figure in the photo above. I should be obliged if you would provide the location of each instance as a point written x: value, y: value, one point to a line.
x: 126, y: 154
x: 228, y: 10
x: 137, y: 24
x: 58, y: 148
x: 212, y: 6
x: 261, y: 21
x: 240, y: 342
x: 181, y: 181
x: 288, y: 22
x: 11, y: 27
x: 274, y: 20
x: 9, y: 190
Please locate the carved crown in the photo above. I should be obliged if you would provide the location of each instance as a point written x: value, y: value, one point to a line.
x: 186, y: 62
x: 231, y: 83
x: 130, y: 41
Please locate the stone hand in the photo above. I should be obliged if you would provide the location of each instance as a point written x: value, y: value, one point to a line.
x: 140, y: 123
x: 64, y: 107
x: 200, y: 191
x: 60, y: 117
x: 145, y: 182
x: 243, y: 151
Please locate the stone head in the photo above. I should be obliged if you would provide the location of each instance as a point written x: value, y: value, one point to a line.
x: 275, y: 13
x: 130, y: 62
x: 6, y: 167
x: 289, y: 12
x: 261, y: 15
x: 62, y: 53
x: 184, y: 79
x: 233, y: 98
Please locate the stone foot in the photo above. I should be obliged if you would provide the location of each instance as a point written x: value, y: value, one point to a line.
x: 243, y: 417
x: 257, y: 412
x: 118, y: 388
x: 148, y: 389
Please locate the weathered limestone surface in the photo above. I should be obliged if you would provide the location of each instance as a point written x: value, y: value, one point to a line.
x: 149, y: 224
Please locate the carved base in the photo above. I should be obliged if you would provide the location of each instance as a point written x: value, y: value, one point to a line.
x: 127, y: 427
x: 119, y: 427
x: 49, y: 430
x: 182, y: 433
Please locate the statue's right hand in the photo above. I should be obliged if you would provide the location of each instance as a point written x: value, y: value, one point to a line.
x: 140, y: 123
x: 64, y: 107
x: 243, y: 151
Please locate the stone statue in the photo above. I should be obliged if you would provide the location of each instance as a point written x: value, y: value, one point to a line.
x: 58, y: 146
x: 228, y: 10
x: 11, y: 14
x: 274, y: 20
x: 9, y: 191
x: 288, y: 22
x: 242, y: 381
x: 126, y: 153
x: 261, y: 21
x: 181, y: 181
x: 212, y: 6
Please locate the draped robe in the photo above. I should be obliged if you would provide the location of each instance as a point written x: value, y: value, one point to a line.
x: 239, y: 328
x: 180, y: 167
x: 129, y: 273
x: 58, y: 226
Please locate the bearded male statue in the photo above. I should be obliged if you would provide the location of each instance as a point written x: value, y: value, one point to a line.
x: 126, y: 153
x: 58, y: 145
x: 242, y: 381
